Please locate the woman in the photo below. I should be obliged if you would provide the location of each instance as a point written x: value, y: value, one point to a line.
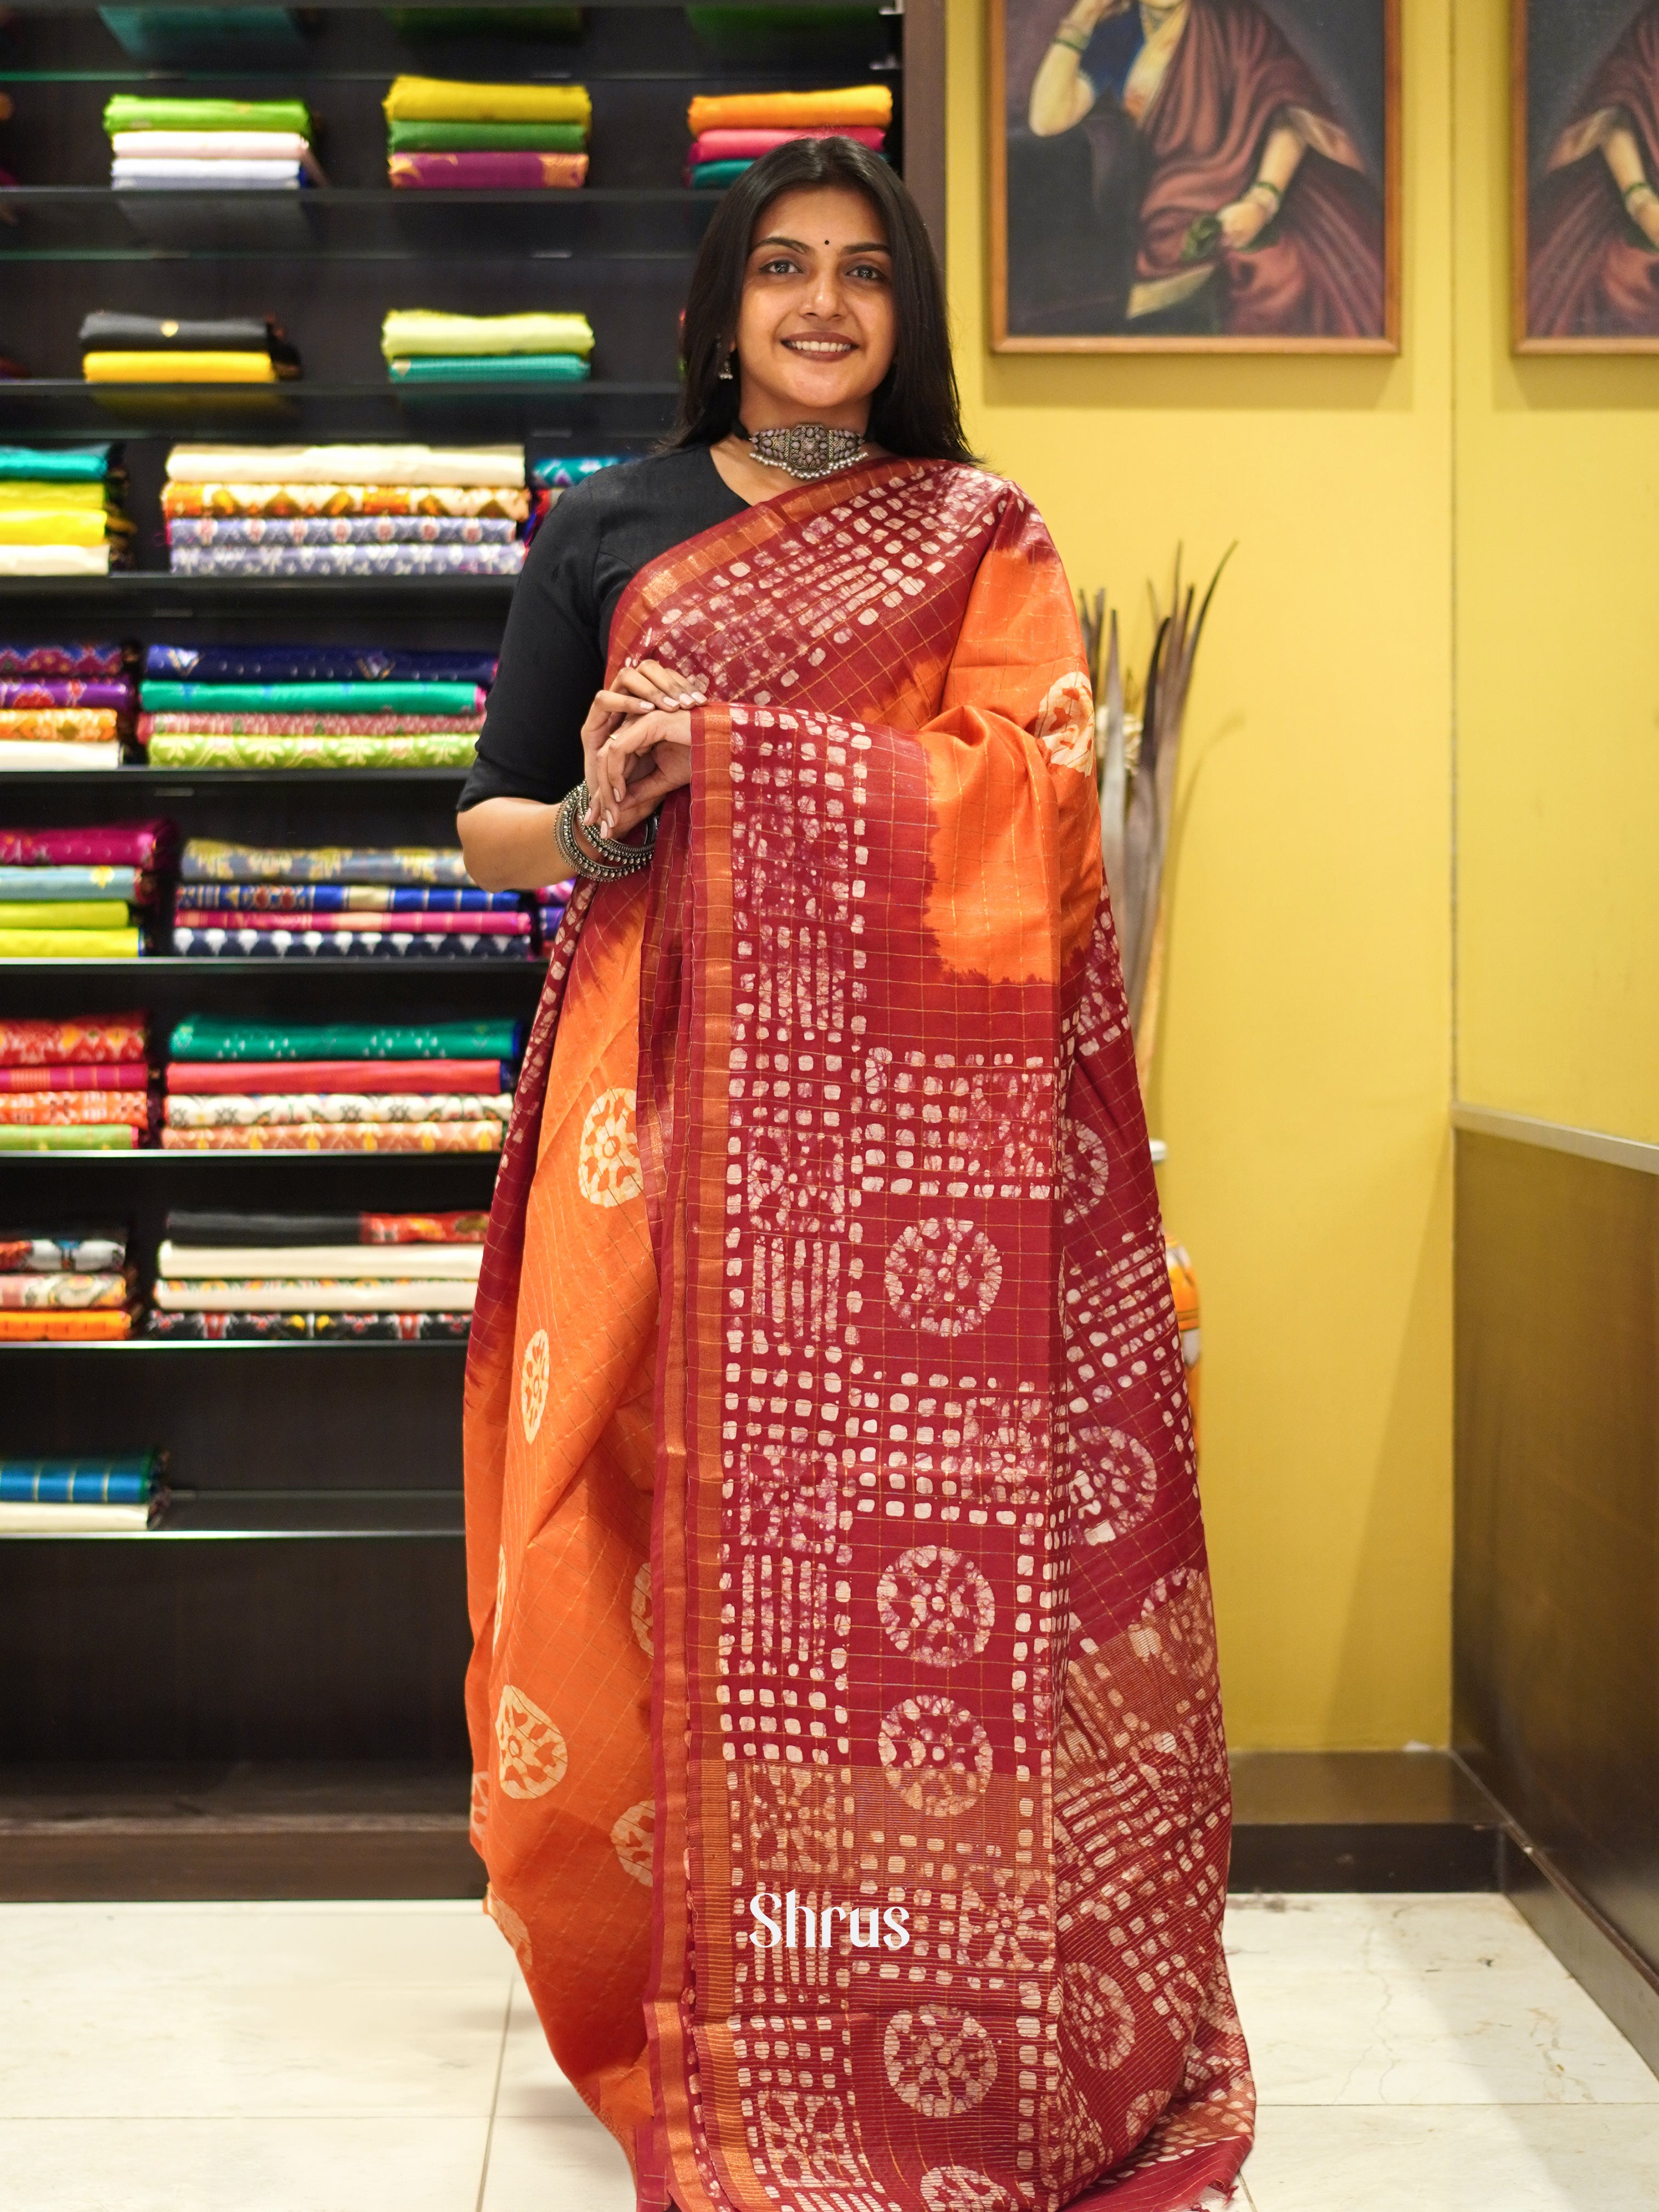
x: 1256, y: 217
x: 849, y: 1767
x: 1593, y: 222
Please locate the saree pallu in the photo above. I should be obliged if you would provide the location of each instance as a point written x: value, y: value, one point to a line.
x: 847, y: 1747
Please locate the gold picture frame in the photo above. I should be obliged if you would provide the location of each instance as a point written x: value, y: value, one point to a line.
x: 1583, y: 274
x: 1124, y: 171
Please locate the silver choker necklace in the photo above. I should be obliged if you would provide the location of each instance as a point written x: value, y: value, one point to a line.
x: 807, y: 450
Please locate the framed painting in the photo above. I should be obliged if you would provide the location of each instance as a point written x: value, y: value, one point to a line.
x: 1194, y: 176
x: 1584, y: 173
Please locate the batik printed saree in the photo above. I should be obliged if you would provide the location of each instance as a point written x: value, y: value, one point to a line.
x: 849, y: 1756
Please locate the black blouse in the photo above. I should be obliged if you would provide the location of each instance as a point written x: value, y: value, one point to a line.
x: 584, y: 557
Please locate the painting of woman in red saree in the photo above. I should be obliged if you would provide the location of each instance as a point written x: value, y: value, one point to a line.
x: 1587, y: 255
x: 1190, y: 174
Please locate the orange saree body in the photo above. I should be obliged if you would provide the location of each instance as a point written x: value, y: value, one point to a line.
x: 850, y: 1766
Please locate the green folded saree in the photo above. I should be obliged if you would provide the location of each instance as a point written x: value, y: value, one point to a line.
x: 491, y: 368
x: 49, y: 464
x: 199, y: 1037
x: 158, y: 698
x: 486, y: 138
x: 130, y: 111
x: 75, y: 1137
x: 407, y: 332
x: 441, y: 750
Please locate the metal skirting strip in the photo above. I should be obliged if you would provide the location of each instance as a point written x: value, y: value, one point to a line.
x: 1558, y: 1137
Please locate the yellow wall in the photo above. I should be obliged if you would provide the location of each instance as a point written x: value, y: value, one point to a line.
x: 1557, y: 684
x: 1305, y: 1069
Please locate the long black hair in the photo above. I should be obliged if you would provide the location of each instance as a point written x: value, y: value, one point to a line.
x: 915, y: 411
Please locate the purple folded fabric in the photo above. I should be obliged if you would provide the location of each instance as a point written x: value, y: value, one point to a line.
x: 47, y: 692
x: 495, y: 172
x: 60, y: 661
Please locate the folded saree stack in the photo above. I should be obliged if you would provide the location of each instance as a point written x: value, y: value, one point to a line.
x: 730, y: 130
x: 346, y: 511
x: 61, y: 512
x: 442, y: 136
x: 118, y: 349
x: 281, y: 706
x: 421, y: 347
x: 556, y: 477
x: 338, y: 903
x: 65, y: 706
x: 76, y: 1085
x: 80, y: 894
x: 64, y: 1286
x: 383, y: 1278
x: 338, y: 1087
x: 64, y: 1497
x: 162, y: 144
x: 551, y: 901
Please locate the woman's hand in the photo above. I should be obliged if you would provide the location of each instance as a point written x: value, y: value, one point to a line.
x: 1244, y: 219
x: 637, y: 768
x: 1643, y: 205
x: 646, y: 689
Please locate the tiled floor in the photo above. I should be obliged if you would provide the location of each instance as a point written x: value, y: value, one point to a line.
x: 1425, y: 2053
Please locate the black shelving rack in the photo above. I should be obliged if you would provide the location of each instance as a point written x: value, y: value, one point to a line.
x: 262, y: 1696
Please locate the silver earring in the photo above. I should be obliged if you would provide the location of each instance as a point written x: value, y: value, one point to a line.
x: 725, y: 367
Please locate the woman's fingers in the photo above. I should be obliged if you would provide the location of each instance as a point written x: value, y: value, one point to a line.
x: 674, y: 689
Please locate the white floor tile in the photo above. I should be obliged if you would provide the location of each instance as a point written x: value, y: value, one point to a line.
x: 1531, y: 2157
x: 242, y: 2165
x: 1344, y: 2006
x: 556, y: 2166
x: 532, y: 2086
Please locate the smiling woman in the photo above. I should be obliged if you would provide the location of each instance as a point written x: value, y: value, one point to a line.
x: 832, y: 1532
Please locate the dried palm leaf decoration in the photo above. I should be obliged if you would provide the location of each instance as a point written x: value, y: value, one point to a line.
x: 1137, y: 749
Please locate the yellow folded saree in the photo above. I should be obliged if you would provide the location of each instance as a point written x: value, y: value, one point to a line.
x: 437, y: 100
x: 419, y: 330
x: 52, y: 526
x: 178, y: 369
x: 867, y: 104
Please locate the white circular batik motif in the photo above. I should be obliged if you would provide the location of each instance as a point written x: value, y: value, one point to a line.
x: 533, y: 1754
x: 965, y: 2188
x: 1099, y: 2015
x: 608, y: 1165
x: 1066, y: 720
x: 935, y: 1753
x: 944, y: 1276
x: 535, y: 1371
x: 1140, y: 2115
x: 640, y: 1609
x: 941, y: 2062
x: 935, y: 1605
x: 510, y: 1925
x: 1086, y: 1167
x: 631, y: 1840
x: 1113, y: 1479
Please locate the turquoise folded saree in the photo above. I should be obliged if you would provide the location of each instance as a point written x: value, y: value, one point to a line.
x: 491, y: 368
x: 310, y: 698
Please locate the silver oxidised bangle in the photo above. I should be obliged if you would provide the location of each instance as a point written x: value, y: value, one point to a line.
x: 615, y: 858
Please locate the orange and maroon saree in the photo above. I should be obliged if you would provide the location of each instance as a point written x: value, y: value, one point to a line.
x: 848, y: 1756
